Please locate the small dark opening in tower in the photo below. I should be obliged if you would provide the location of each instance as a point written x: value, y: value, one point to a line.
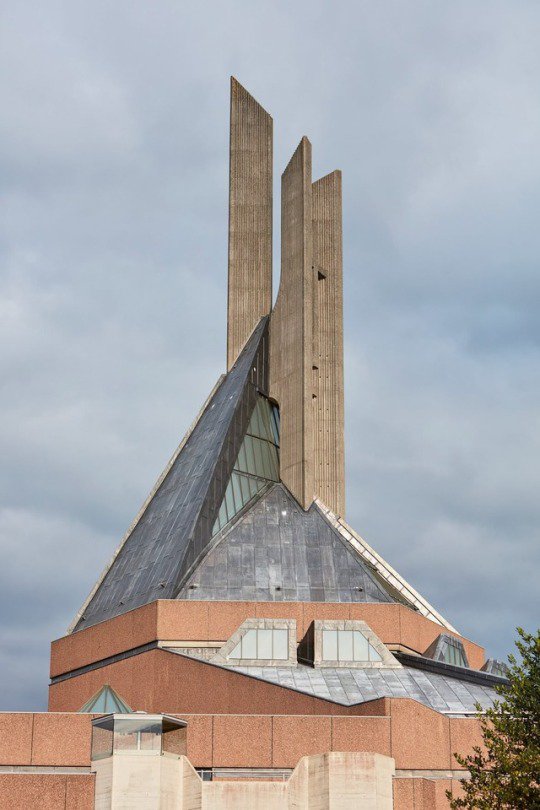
x: 320, y: 275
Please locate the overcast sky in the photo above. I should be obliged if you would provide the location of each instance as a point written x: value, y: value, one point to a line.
x: 113, y: 245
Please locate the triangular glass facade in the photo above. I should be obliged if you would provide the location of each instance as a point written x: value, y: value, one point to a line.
x: 106, y: 701
x: 257, y: 462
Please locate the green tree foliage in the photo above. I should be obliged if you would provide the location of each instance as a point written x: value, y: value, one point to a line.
x: 506, y: 775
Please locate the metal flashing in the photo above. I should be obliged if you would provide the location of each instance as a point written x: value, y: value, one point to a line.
x: 450, y: 670
x: 415, y: 600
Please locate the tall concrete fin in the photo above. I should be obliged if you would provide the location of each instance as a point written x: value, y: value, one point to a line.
x: 250, y: 219
x: 291, y: 329
x: 329, y: 445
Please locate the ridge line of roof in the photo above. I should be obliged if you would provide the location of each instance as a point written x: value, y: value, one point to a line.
x: 387, y: 572
x: 222, y: 535
x: 451, y: 670
x: 368, y: 565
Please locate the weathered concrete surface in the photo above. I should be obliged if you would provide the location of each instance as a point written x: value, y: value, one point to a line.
x: 306, y: 335
x: 291, y: 329
x: 148, y: 781
x: 331, y: 781
x: 328, y: 417
x: 244, y: 796
x: 103, y: 770
x: 250, y: 219
x: 342, y: 781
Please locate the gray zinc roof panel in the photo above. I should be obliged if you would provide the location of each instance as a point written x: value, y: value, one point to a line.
x: 176, y: 524
x: 351, y: 686
x: 288, y: 553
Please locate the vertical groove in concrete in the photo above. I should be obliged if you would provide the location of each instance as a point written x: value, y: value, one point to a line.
x: 250, y: 219
x: 291, y: 329
x: 328, y: 406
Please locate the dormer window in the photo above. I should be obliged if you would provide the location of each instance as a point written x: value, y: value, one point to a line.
x: 259, y: 643
x: 347, y: 645
x: 263, y: 644
x: 448, y: 650
x: 344, y: 643
x: 496, y: 667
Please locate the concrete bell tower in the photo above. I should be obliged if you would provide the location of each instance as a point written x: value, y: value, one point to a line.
x: 306, y: 323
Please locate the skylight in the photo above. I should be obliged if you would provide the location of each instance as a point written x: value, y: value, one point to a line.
x: 106, y: 701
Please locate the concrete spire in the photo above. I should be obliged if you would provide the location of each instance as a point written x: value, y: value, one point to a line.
x: 250, y: 219
x: 306, y: 331
x: 306, y: 335
x: 291, y: 329
x: 328, y: 417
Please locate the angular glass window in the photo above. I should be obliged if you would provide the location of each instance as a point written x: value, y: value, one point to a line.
x: 448, y: 649
x: 361, y: 647
x: 274, y: 423
x: 347, y: 646
x: 329, y: 645
x: 373, y: 654
x: 237, y: 490
x: 102, y: 738
x: 454, y: 655
x: 263, y: 644
x: 281, y: 644
x: 249, y: 644
x: 229, y: 500
x: 237, y: 651
x: 137, y: 735
x: 496, y: 667
x: 257, y: 463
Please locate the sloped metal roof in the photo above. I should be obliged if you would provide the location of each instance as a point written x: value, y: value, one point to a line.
x: 348, y: 687
x: 273, y: 550
x: 174, y: 529
x: 278, y: 552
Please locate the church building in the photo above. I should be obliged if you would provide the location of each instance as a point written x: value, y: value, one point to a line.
x: 245, y: 648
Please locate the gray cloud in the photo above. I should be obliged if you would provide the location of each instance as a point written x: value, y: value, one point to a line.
x: 113, y: 162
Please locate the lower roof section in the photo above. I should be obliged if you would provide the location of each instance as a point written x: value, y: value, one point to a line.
x: 348, y: 687
x: 165, y: 680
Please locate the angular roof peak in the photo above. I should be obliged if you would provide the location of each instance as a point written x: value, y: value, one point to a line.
x: 216, y: 526
x: 276, y: 551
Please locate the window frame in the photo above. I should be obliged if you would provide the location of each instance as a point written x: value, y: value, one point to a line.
x: 257, y: 630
